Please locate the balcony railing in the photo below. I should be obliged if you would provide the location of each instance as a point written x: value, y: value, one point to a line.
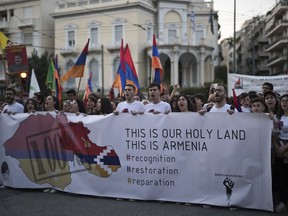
x: 276, y: 60
x: 81, y: 3
x: 277, y: 43
x: 277, y: 28
x: 69, y: 50
x: 30, y: 22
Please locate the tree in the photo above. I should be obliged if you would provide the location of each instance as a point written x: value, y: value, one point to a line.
x: 221, y: 74
x: 40, y: 65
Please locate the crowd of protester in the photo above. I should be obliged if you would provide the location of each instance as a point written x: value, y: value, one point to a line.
x: 160, y: 100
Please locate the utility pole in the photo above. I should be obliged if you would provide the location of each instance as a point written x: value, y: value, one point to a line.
x: 234, y: 40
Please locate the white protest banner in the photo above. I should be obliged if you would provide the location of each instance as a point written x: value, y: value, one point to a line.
x: 244, y: 83
x: 217, y: 159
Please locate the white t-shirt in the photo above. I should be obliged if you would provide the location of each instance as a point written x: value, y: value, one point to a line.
x: 135, y: 106
x: 161, y: 107
x: 284, y: 130
x: 222, y: 109
x: 245, y: 109
x: 13, y: 108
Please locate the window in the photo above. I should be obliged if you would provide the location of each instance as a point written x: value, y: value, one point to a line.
x: 27, y: 11
x: 94, y: 37
x: 172, y: 35
x: 199, y: 35
x: 11, y: 13
x: 118, y: 31
x: 71, y: 38
x: 28, y: 38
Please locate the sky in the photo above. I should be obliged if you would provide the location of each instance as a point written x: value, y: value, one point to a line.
x: 245, y: 9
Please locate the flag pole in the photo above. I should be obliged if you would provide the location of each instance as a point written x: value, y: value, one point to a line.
x: 5, y: 69
x: 79, y: 86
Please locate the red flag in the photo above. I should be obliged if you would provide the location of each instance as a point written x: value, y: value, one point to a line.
x: 58, y: 87
x: 131, y: 75
x: 120, y: 79
x: 88, y: 89
x: 156, y: 63
x: 236, y: 102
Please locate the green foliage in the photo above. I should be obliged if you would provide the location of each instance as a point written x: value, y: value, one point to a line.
x: 40, y: 65
x: 221, y: 74
x: 193, y: 90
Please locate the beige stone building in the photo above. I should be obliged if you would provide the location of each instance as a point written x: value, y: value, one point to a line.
x: 188, y: 49
x: 27, y: 22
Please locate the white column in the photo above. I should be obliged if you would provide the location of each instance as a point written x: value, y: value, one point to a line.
x: 201, y: 71
x: 174, y: 66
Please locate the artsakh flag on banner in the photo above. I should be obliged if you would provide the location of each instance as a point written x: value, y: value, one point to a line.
x: 77, y: 69
x: 156, y: 63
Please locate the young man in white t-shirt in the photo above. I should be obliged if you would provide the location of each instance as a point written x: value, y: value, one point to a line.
x: 156, y: 106
x: 130, y: 105
x: 220, y: 104
x: 12, y: 106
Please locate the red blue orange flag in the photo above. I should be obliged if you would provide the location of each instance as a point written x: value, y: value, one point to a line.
x: 131, y: 75
x: 77, y: 70
x: 236, y: 102
x: 156, y: 63
x: 120, y: 79
x: 88, y: 89
x: 58, y: 87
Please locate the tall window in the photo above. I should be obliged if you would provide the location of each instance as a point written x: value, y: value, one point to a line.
x: 94, y: 69
x: 199, y: 35
x: 28, y: 38
x: 27, y: 12
x: 118, y: 33
x: 172, y: 35
x: 94, y: 32
x: 71, y: 38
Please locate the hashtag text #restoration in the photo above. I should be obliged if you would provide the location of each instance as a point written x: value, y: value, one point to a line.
x: 146, y: 170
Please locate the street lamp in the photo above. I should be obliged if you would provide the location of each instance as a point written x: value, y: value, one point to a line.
x: 23, y: 75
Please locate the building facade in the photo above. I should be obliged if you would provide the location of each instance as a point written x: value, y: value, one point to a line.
x: 277, y: 33
x: 187, y: 47
x: 27, y: 22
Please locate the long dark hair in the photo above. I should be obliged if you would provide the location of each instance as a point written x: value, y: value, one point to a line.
x: 106, y: 106
x: 281, y: 111
x: 34, y: 103
x: 190, y: 105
